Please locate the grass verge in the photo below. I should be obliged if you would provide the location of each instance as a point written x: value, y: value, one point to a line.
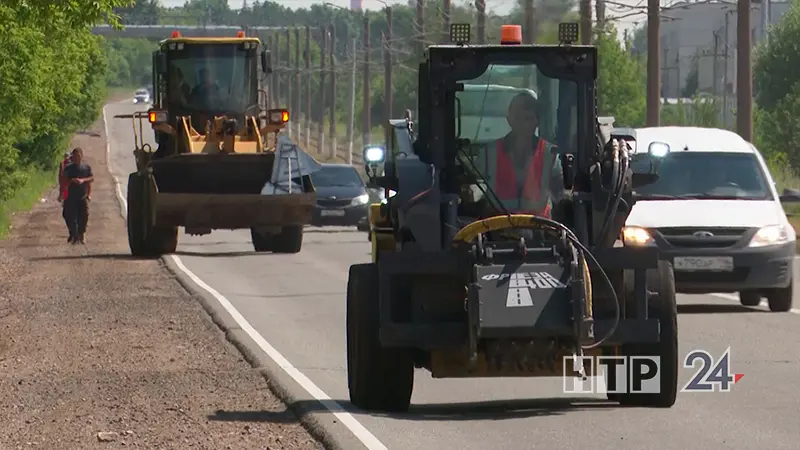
x: 36, y: 182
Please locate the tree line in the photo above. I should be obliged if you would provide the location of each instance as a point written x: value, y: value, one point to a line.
x: 53, y: 81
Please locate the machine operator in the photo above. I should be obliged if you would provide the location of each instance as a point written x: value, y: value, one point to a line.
x: 79, y: 179
x: 523, y: 169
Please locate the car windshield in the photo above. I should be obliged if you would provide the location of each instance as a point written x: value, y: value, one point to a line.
x: 705, y: 175
x: 336, y: 176
x: 512, y: 115
x: 218, y: 77
x: 141, y: 92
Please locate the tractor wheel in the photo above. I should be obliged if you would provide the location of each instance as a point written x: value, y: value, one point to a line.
x: 378, y: 378
x: 262, y: 242
x: 780, y: 299
x: 750, y: 298
x: 662, y: 306
x: 144, y: 239
x: 289, y: 240
x: 136, y: 217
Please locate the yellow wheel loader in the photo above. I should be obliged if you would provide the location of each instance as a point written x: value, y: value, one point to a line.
x: 220, y: 161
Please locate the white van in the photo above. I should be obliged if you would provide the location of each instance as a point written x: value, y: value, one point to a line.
x: 715, y: 212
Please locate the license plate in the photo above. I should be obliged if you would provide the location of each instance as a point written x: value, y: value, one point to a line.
x: 332, y: 212
x: 704, y: 263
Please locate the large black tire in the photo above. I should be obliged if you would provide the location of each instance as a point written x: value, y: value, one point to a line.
x: 780, y: 299
x: 378, y: 378
x: 144, y: 239
x: 289, y: 240
x: 262, y: 242
x: 662, y: 306
x: 750, y: 298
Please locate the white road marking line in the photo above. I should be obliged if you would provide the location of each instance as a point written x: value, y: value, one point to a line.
x: 361, y: 433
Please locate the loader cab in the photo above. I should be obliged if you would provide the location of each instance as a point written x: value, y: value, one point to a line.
x: 207, y: 77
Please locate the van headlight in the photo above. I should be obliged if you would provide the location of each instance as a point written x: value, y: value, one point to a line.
x: 636, y: 237
x: 772, y: 235
x: 362, y: 199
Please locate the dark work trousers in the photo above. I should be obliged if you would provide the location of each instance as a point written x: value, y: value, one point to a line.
x: 66, y: 216
x: 76, y: 213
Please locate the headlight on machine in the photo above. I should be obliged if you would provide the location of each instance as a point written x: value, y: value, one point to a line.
x: 362, y: 199
x: 772, y: 235
x: 636, y: 237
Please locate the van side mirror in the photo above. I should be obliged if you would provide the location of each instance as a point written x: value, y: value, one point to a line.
x: 266, y: 62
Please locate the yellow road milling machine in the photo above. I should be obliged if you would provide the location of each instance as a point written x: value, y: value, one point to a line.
x: 501, y: 250
x: 221, y: 161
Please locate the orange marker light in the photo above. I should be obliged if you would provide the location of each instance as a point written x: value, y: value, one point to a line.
x: 240, y: 34
x: 176, y: 34
x: 152, y: 117
x: 511, y: 35
x: 284, y: 116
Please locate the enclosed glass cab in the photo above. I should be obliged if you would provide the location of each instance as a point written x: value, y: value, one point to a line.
x: 204, y: 77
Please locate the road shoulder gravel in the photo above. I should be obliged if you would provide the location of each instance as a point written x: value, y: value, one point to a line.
x: 98, y: 348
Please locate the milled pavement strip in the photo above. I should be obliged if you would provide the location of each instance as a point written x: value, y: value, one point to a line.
x: 289, y: 383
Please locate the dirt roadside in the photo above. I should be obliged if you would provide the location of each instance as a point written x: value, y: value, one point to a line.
x: 99, y: 350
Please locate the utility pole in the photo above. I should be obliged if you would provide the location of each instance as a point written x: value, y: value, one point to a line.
x: 322, y: 90
x: 276, y: 75
x: 600, y: 12
x: 297, y: 95
x: 307, y: 57
x: 653, y: 64
x: 387, y: 75
x: 480, y: 7
x: 585, y: 11
x: 744, y: 73
x: 678, y: 73
x: 726, y: 104
x: 765, y: 16
x: 714, y: 69
x: 446, y: 7
x: 528, y: 36
x: 421, y: 27
x: 332, y: 119
x: 366, y: 125
x: 270, y: 77
x: 288, y: 78
x: 352, y: 108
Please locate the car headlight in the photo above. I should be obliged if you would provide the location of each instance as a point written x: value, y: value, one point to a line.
x: 772, y: 235
x: 362, y: 199
x: 636, y: 237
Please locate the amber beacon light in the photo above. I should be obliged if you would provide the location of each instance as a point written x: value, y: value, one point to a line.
x: 511, y: 35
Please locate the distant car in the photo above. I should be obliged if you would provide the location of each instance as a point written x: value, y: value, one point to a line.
x: 715, y: 213
x: 342, y: 197
x: 141, y: 96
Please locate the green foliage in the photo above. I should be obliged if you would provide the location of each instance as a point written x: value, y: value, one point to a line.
x: 130, y: 61
x: 620, y: 81
x: 777, y: 86
x: 701, y: 111
x: 52, y: 75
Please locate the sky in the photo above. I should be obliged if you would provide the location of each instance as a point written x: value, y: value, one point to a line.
x: 631, y: 10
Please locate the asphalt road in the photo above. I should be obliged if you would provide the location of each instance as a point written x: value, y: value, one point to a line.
x: 297, y: 303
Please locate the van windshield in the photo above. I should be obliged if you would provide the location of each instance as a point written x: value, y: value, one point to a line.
x: 705, y: 175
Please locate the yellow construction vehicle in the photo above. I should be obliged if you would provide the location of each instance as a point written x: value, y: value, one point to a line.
x: 220, y: 161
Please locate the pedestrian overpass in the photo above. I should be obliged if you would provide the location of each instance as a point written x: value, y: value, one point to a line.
x: 165, y: 31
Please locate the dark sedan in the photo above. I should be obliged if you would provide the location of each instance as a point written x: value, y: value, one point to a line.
x: 342, y: 197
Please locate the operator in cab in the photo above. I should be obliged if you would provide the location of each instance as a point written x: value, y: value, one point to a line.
x: 522, y: 168
x: 206, y: 91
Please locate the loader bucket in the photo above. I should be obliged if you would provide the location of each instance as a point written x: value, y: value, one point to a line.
x: 223, y: 191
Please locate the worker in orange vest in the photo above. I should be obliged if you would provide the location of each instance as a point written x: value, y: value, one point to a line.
x: 63, y: 185
x: 523, y: 169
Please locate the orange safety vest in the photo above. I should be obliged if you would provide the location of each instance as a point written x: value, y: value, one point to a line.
x: 63, y: 183
x: 506, y: 185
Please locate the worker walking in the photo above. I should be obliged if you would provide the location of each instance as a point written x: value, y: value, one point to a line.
x: 63, y: 185
x: 79, y: 180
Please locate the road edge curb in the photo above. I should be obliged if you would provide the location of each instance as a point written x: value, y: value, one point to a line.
x: 319, y: 423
